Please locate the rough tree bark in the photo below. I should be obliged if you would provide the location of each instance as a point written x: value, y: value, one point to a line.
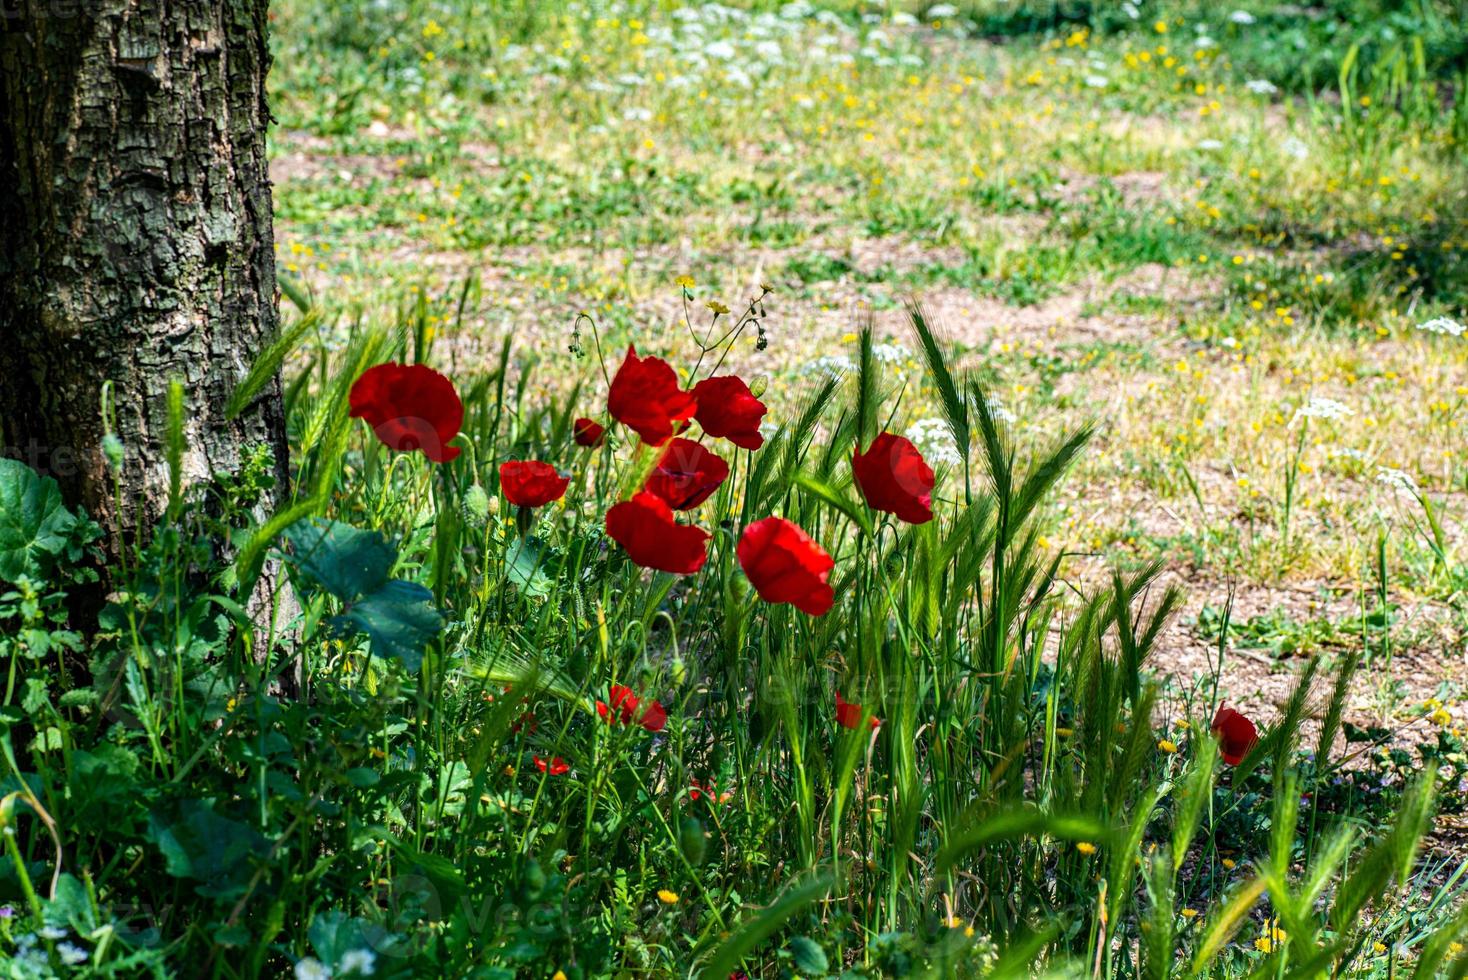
x: 135, y: 241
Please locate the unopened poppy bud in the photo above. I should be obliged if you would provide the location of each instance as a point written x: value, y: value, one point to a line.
x: 476, y: 506
x: 691, y: 840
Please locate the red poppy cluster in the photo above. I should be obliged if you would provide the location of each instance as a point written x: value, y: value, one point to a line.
x: 1236, y: 734
x: 556, y: 766
x: 623, y: 708
x: 414, y: 407
x: 781, y: 560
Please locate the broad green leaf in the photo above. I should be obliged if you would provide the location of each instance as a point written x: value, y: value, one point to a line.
x: 809, y: 958
x: 523, y: 567
x: 399, y: 618
x: 34, y: 524
x: 343, y: 560
x: 217, y: 852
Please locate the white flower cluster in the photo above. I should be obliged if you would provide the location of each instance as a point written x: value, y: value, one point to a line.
x: 354, y: 963
x: 832, y: 364
x: 1443, y: 325
x: 934, y: 439
x: 1261, y: 86
x: 1399, y: 480
x: 1327, y: 409
x: 727, y: 51
x: 891, y: 354
x: 1242, y: 17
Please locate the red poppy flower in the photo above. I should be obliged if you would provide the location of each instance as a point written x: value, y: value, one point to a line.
x: 556, y: 766
x: 646, y: 398
x: 588, y: 433
x: 1236, y: 735
x: 530, y: 483
x: 727, y: 409
x: 894, y: 477
x: 645, y: 529
x: 624, y: 706
x: 686, y: 475
x: 849, y: 715
x: 785, y: 565
x: 409, y: 406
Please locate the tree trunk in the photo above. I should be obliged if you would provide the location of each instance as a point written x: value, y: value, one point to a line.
x: 135, y: 243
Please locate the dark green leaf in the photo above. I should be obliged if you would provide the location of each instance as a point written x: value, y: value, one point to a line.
x: 399, y: 618
x: 343, y: 560
x: 34, y: 524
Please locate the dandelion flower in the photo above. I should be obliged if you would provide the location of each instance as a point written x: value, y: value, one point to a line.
x: 1167, y: 746
x: 667, y: 897
x: 1086, y: 847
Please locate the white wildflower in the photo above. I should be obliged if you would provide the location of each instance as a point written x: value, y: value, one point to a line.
x: 1443, y: 325
x: 71, y: 954
x: 834, y: 364
x: 53, y: 933
x: 942, y: 11
x: 719, y: 49
x: 1210, y: 145
x: 637, y: 114
x: 1261, y: 86
x: 891, y: 353
x: 1322, y: 408
x: 1131, y: 10
x: 1399, y: 480
x: 1241, y: 17
x: 362, y: 962
x: 903, y: 19
x: 934, y: 439
x: 310, y: 968
x: 997, y: 409
x: 1204, y: 42
x: 1097, y: 81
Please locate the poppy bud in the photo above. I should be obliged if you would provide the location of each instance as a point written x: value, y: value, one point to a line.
x: 476, y: 506
x: 691, y: 841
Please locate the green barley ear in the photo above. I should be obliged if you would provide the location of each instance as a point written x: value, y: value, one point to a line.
x: 1391, y: 856
x: 1196, y: 792
x: 175, y: 445
x: 268, y: 363
x: 1284, y: 821
x: 797, y: 440
x: 1124, y: 855
x: 955, y: 409
x: 1158, y: 936
x: 1224, y: 922
x: 1330, y: 725
x: 867, y: 394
